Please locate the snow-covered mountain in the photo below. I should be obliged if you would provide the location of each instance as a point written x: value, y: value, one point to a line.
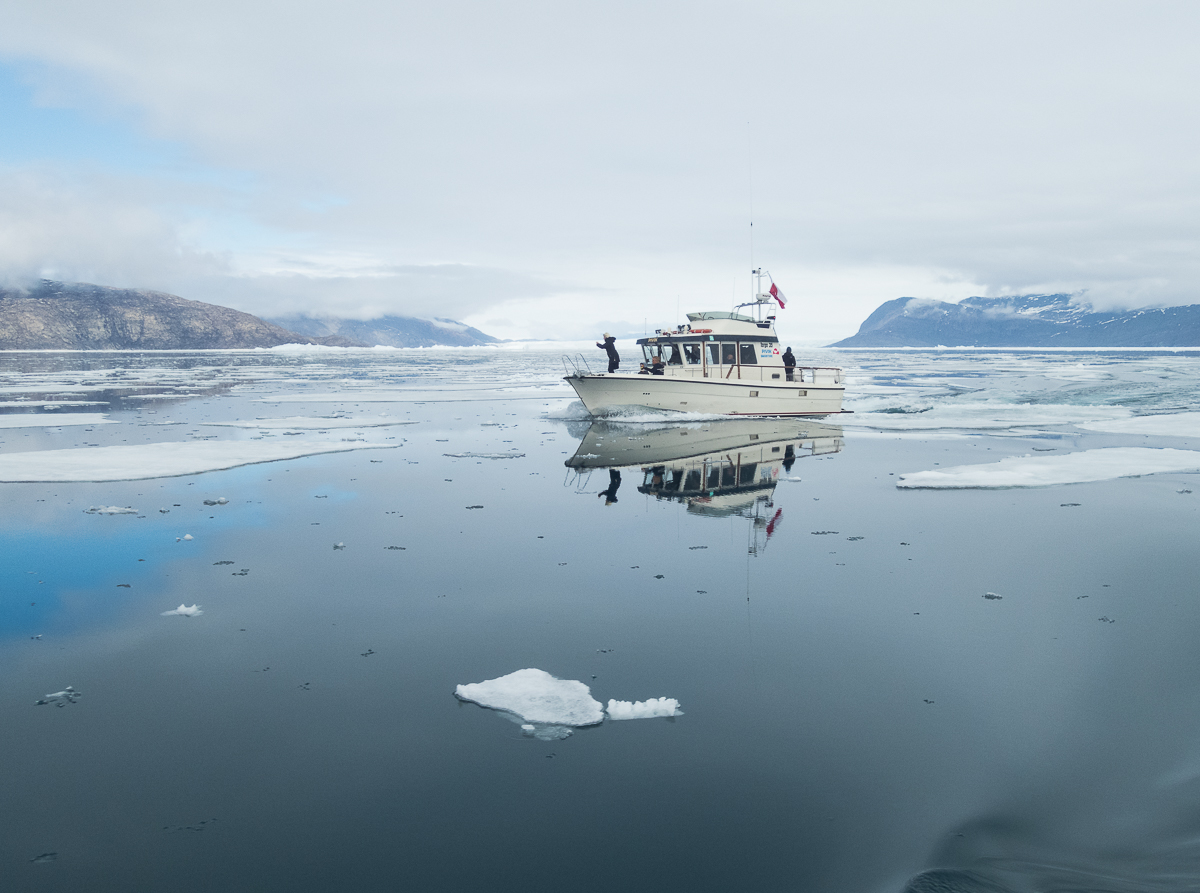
x: 390, y: 331
x: 1023, y: 321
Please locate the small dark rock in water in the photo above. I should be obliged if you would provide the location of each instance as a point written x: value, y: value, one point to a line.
x: 824, y: 532
x: 44, y: 857
x: 1183, y: 491
x: 338, y: 547
x: 1078, y: 597
x: 368, y: 653
x: 694, y: 548
x: 217, y: 563
x: 658, y: 576
x: 904, y: 544
x: 1107, y: 619
x: 1068, y: 505
x: 855, y: 539
x: 993, y: 596
x: 927, y: 701
x: 701, y: 592
x: 123, y: 586
x: 395, y: 548
x: 474, y: 506
x: 243, y: 572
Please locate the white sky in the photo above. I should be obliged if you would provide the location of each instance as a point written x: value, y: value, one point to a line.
x: 554, y: 170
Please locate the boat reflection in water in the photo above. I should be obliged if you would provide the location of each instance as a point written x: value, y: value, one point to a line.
x: 715, y: 468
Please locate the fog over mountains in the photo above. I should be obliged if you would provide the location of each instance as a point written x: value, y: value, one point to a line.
x: 1025, y: 321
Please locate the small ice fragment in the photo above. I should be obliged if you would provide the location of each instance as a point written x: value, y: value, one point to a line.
x: 643, y: 709
x: 60, y: 698
x: 338, y: 546
x: 220, y: 500
x: 536, y: 696
x: 187, y: 536
x: 527, y: 727
x: 992, y: 596
x: 184, y: 611
x: 110, y: 510
x: 43, y: 858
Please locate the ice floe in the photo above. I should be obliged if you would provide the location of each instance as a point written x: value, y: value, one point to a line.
x: 547, y: 707
x: 485, y: 455
x: 60, y: 698
x: 184, y: 611
x: 154, y: 460
x: 52, y: 420
x: 647, y: 709
x: 308, y: 423
x: 110, y: 510
x: 536, y: 697
x: 980, y: 416
x: 1179, y: 424
x: 1045, y: 471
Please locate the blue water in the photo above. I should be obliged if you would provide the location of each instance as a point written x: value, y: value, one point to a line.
x: 857, y: 714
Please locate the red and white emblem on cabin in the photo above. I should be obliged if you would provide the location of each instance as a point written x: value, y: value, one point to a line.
x: 775, y: 351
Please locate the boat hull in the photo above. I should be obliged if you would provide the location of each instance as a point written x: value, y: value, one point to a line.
x: 606, y: 394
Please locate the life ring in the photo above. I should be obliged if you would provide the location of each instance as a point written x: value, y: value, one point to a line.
x: 701, y: 331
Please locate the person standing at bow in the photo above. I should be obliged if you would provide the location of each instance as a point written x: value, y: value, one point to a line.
x: 789, y: 363
x: 610, y: 347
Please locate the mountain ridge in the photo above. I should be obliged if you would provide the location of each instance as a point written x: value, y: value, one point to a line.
x: 1054, y: 320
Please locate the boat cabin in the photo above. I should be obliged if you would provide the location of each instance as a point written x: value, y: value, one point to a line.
x: 724, y: 345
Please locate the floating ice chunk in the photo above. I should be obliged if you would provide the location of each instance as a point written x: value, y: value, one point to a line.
x: 536, y: 697
x: 60, y: 698
x: 154, y: 460
x: 981, y: 416
x: 1178, y: 424
x: 337, y: 547
x: 110, y: 510
x: 1047, y: 471
x: 58, y: 420
x: 187, y: 537
x: 647, y: 709
x: 485, y: 455
x: 220, y: 500
x: 311, y: 424
x: 184, y: 611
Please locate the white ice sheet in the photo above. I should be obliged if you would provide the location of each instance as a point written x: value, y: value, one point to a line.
x: 52, y: 420
x: 308, y: 423
x: 155, y: 460
x: 1046, y: 471
x: 1179, y: 424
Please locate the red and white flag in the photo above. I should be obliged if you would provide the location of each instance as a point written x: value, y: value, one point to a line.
x: 778, y: 295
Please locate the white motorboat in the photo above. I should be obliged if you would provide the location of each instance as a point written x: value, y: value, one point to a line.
x: 722, y: 363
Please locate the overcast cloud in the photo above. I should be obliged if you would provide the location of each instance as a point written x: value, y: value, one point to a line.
x: 551, y: 169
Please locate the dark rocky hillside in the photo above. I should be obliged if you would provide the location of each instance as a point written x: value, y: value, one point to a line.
x: 78, y: 316
x: 1025, y: 321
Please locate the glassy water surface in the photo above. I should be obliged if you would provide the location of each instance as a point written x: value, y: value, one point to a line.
x: 883, y: 688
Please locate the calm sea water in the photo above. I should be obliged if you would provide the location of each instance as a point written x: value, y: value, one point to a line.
x: 883, y: 689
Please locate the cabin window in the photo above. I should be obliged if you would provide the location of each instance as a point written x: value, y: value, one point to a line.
x: 673, y: 354
x: 728, y: 353
x: 650, y: 351
x: 749, y: 354
x: 747, y: 473
x: 693, y: 480
x: 691, y: 354
x: 714, y: 355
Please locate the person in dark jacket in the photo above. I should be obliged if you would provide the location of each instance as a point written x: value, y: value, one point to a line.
x: 789, y: 363
x: 610, y: 347
x: 614, y: 484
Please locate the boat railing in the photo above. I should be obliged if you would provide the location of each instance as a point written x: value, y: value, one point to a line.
x: 578, y: 365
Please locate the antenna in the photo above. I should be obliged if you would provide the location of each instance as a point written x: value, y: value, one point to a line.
x: 750, y: 174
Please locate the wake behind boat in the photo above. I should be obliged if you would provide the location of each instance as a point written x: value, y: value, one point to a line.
x: 723, y: 363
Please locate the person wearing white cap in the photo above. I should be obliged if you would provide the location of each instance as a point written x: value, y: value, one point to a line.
x: 610, y: 346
